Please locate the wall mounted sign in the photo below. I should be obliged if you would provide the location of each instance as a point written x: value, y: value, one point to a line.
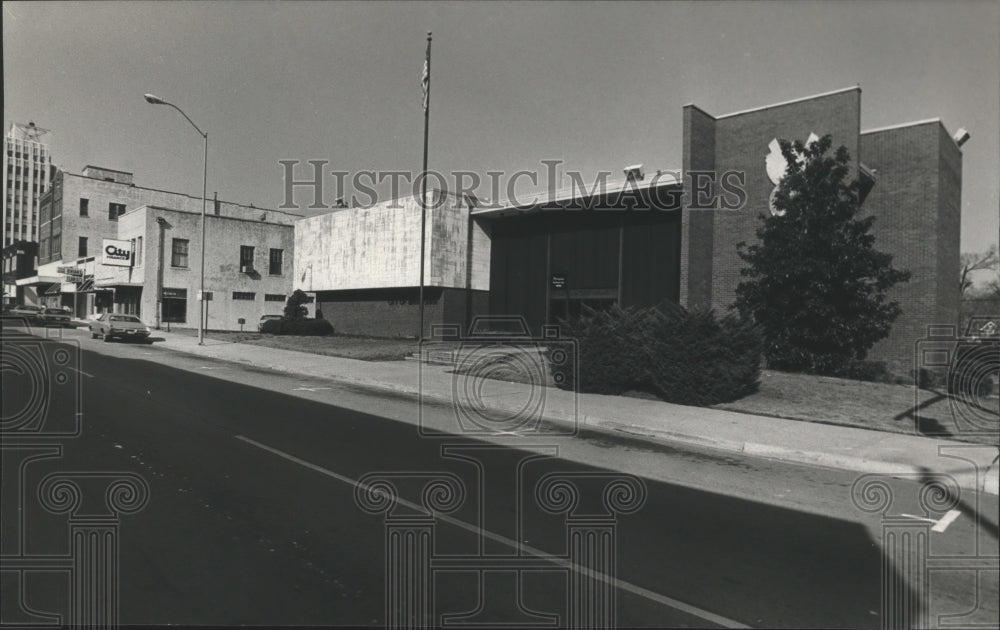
x: 116, y: 253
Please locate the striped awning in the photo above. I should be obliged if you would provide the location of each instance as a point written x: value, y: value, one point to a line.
x: 85, y: 286
x: 54, y: 289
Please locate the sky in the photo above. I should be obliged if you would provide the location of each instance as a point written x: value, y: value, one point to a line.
x: 596, y: 85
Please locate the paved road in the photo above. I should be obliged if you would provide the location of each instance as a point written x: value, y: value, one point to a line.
x: 252, y: 516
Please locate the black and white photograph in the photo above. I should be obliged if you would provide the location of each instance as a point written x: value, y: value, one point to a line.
x: 500, y: 314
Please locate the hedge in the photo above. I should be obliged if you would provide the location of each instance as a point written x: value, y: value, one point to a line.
x: 297, y: 326
x: 680, y: 356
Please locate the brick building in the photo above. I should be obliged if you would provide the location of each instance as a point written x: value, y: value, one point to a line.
x: 81, y: 211
x: 645, y: 239
x: 912, y: 176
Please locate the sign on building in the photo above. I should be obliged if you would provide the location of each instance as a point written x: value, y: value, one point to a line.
x: 72, y: 274
x: 116, y: 253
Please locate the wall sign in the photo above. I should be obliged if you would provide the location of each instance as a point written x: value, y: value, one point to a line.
x: 116, y: 253
x: 558, y: 281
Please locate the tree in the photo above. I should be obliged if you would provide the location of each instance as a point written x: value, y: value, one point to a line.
x: 295, y: 307
x: 972, y: 262
x: 814, y: 282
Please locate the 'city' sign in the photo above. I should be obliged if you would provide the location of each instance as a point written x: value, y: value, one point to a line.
x: 117, y: 253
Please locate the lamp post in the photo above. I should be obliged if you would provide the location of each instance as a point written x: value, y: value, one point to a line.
x: 154, y: 100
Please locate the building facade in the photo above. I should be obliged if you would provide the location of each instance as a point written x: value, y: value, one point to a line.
x: 912, y: 179
x: 81, y: 212
x: 20, y: 260
x: 27, y: 170
x: 248, y: 269
x: 646, y: 239
x: 363, y: 265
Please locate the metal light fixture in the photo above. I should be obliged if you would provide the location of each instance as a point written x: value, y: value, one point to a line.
x: 155, y: 100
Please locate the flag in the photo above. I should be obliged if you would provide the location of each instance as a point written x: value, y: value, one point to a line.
x: 425, y: 78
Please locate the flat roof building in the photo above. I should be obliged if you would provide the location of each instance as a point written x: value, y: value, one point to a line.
x: 646, y: 238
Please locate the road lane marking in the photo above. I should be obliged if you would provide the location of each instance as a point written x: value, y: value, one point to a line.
x: 513, y: 544
x: 206, y: 367
x: 80, y: 371
x: 946, y: 520
x: 939, y: 524
x: 308, y: 389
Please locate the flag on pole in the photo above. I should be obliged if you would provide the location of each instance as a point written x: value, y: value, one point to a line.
x: 425, y: 78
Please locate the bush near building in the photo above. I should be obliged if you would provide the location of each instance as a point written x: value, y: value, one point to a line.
x: 297, y: 326
x: 684, y: 357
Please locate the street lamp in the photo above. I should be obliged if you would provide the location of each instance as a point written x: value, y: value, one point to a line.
x: 155, y: 100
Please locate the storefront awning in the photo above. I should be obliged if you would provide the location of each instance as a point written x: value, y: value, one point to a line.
x: 38, y: 280
x: 85, y: 286
x: 55, y: 289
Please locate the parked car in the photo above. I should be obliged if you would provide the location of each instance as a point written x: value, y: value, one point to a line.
x: 115, y: 325
x: 29, y: 312
x: 264, y: 318
x: 54, y: 317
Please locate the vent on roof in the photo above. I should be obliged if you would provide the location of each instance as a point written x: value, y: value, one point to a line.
x: 961, y: 136
x: 634, y: 172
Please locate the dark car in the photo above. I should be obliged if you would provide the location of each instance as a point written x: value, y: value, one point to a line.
x: 115, y: 325
x: 264, y: 318
x: 54, y: 317
x: 28, y: 312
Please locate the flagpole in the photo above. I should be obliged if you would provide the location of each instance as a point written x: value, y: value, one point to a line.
x: 423, y: 195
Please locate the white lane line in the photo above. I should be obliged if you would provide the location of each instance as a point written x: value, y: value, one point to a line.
x: 205, y: 367
x: 513, y: 544
x: 80, y: 371
x: 946, y: 520
x: 939, y: 524
x: 308, y: 389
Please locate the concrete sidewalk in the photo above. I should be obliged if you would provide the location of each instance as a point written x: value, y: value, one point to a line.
x: 846, y: 448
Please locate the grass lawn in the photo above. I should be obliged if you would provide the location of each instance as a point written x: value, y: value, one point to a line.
x: 363, y: 348
x: 893, y: 408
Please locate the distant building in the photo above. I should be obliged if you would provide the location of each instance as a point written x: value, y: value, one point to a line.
x: 81, y: 212
x: 27, y: 170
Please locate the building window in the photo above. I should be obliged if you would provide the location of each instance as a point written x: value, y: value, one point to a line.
x: 274, y: 297
x: 137, y: 251
x: 242, y: 295
x: 179, y: 255
x: 82, y: 249
x: 84, y: 207
x: 246, y: 259
x: 115, y: 210
x: 276, y: 258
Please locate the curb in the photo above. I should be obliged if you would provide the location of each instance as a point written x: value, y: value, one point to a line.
x: 968, y: 480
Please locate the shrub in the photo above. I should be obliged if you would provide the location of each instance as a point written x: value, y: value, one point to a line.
x: 684, y: 357
x: 298, y: 326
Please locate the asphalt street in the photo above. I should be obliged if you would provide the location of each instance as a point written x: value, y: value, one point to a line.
x: 253, y: 513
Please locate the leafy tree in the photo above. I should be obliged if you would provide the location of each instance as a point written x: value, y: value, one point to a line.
x: 814, y: 282
x: 295, y: 307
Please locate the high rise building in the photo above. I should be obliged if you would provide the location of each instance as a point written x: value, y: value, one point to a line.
x: 27, y: 167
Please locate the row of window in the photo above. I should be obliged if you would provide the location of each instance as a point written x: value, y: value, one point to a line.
x: 115, y: 210
x: 275, y: 262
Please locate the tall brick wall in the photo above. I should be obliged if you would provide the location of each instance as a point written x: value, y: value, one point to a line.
x: 741, y: 144
x: 916, y: 199
x: 917, y: 204
x: 697, y: 225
